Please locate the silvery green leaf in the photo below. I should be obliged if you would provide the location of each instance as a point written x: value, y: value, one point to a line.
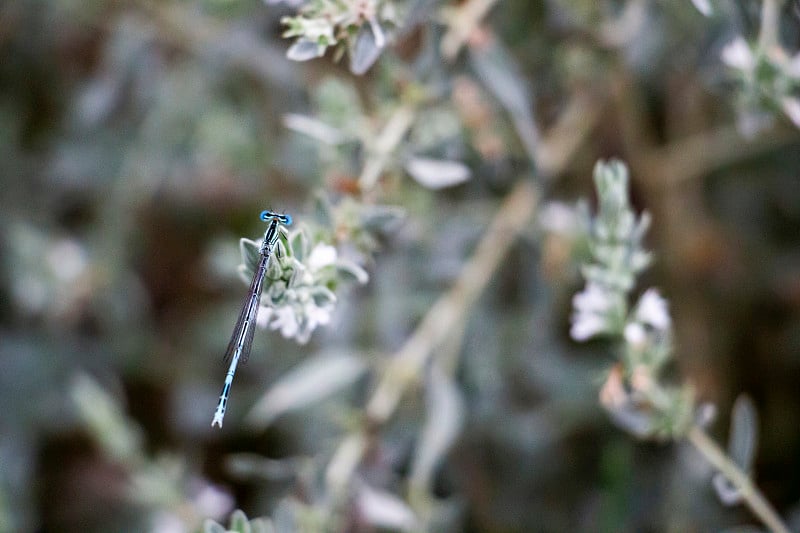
x: 299, y: 245
x: 437, y: 173
x: 498, y: 72
x: 247, y: 466
x: 323, y: 211
x: 316, y: 129
x: 384, y: 510
x: 250, y: 251
x: 445, y: 415
x: 261, y: 525
x: 704, y: 7
x: 381, y: 218
x: 744, y: 433
x: 321, y: 295
x: 416, y: 12
x: 791, y: 106
x: 285, y: 516
x: 313, y: 380
x: 303, y: 50
x: 245, y: 273
x: 367, y: 48
x: 209, y: 526
x: 349, y: 269
x: 726, y: 491
x: 239, y: 522
x: 105, y: 419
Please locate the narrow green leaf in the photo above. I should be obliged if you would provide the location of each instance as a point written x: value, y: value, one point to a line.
x: 311, y: 381
x: 239, y: 522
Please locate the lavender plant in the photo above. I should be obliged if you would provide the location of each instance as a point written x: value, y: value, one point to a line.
x: 766, y: 74
x: 635, y: 395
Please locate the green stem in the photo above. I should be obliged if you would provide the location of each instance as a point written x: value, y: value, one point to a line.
x: 750, y: 493
x: 770, y: 21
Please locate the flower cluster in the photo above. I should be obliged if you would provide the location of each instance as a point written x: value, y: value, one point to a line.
x: 632, y: 393
x: 352, y: 25
x: 768, y: 80
x: 301, y: 281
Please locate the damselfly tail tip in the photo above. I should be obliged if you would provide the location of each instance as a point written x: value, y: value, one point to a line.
x: 217, y: 420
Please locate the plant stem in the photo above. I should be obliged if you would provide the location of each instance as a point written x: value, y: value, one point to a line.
x: 461, y: 24
x: 444, y: 316
x: 750, y: 493
x: 448, y: 312
x: 392, y: 134
x: 770, y: 22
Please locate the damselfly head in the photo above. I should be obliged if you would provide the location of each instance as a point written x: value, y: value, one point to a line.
x: 266, y: 215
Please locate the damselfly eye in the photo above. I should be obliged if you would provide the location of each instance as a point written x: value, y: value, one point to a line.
x: 271, y: 215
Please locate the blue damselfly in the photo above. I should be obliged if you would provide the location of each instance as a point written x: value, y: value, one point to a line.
x: 242, y: 338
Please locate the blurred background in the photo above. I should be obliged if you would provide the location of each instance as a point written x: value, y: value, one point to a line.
x: 140, y: 140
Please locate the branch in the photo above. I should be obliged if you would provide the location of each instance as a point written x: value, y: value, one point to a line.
x: 445, y: 316
x: 750, y: 493
x: 770, y: 23
x: 462, y: 22
x: 394, y: 131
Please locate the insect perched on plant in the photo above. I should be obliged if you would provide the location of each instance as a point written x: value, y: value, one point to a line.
x: 242, y: 339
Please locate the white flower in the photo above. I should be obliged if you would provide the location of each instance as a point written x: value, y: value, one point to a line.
x: 285, y: 320
x: 592, y: 309
x: 652, y: 310
x: 585, y: 327
x: 635, y: 334
x: 593, y: 299
x: 737, y: 54
x: 321, y: 256
x: 560, y: 218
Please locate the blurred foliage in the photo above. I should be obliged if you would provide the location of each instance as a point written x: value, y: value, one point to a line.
x: 139, y: 140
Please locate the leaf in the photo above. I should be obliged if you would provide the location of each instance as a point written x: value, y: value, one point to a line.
x: 350, y: 271
x: 436, y: 173
x: 239, y: 522
x: 250, y: 251
x: 726, y: 491
x: 261, y: 525
x: 209, y: 526
x: 744, y: 433
x: 445, y: 410
x: 303, y: 50
x: 366, y: 48
x: 741, y: 447
x: 309, y: 382
x: 314, y: 128
x: 384, y: 510
x: 299, y: 245
x: 497, y: 70
x: 381, y: 218
x: 704, y: 7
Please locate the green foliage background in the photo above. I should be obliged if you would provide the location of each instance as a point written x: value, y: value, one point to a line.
x: 139, y: 141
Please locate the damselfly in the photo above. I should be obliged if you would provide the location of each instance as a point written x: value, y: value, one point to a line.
x: 242, y: 338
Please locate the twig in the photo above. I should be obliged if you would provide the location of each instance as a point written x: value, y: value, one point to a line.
x: 461, y: 25
x: 770, y: 21
x: 750, y: 493
x: 394, y: 131
x: 445, y: 316
x: 697, y: 155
